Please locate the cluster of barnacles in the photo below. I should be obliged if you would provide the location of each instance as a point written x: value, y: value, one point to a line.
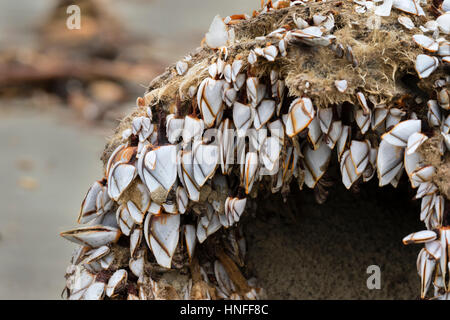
x: 184, y: 173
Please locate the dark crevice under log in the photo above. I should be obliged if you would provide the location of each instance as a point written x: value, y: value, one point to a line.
x: 323, y: 251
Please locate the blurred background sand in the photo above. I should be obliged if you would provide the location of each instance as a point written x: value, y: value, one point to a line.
x: 53, y: 129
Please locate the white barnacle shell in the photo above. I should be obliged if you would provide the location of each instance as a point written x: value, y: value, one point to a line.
x: 250, y: 168
x: 315, y: 133
x: 181, y: 67
x: 193, y: 128
x: 227, y: 73
x: 96, y: 291
x: 95, y: 203
x: 334, y: 133
x: 174, y: 127
x: 226, y: 285
x: 409, y: 6
x: 434, y: 113
x: 359, y: 154
x: 120, y: 177
x: 329, y: 22
x: 443, y: 22
x: 270, y: 52
x: 445, y: 5
x: 143, y: 127
x: 213, y: 222
x: 301, y: 113
x: 135, y: 240
x: 255, y: 90
x: 338, y: 49
x: 370, y: 170
x: 393, y: 117
x: 92, y: 236
x: 220, y: 67
x: 389, y: 162
x: 412, y: 163
x: 124, y: 219
x: 415, y: 140
x: 348, y: 170
x: 226, y: 145
x: 341, y: 85
x: 242, y: 117
x: 263, y: 113
x: 406, y: 22
x: 425, y: 267
x: 207, y: 224
x: 234, y: 208
x: 385, y: 9
x: 239, y: 82
x: 229, y: 95
x: 446, y: 139
x: 157, y: 168
x: 425, y: 189
x: 107, y: 261
x: 236, y: 69
x: 278, y: 89
x: 213, y: 70
x: 126, y: 134
x: 170, y: 206
x: 426, y: 43
x: 83, y: 280
x: 206, y: 159
x: 117, y: 281
x: 218, y: 34
x: 363, y: 102
x: 380, y: 113
x: 423, y: 174
x: 162, y: 233
x: 278, y: 33
x: 399, y: 134
x: 443, y: 99
x: 209, y: 99
x: 299, y: 22
x: 252, y: 57
x: 360, y: 9
x: 182, y: 199
x: 120, y: 170
x: 202, y: 227
x: 426, y: 65
x: 445, y: 239
x: 315, y: 163
x: 155, y: 208
x: 136, y: 264
x: 274, y: 76
x: 270, y: 152
x: 325, y: 116
x: 363, y: 120
x: 343, y: 141
x: 186, y: 175
x: 307, y: 33
x: 446, y: 125
x: 434, y: 249
x: 190, y: 239
x: 139, y: 209
x: 282, y: 46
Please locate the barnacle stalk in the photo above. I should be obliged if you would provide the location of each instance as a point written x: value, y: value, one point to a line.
x: 267, y: 100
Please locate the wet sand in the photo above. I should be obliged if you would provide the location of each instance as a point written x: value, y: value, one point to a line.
x: 46, y: 166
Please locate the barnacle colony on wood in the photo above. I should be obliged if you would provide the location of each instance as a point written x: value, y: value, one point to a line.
x: 269, y: 99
